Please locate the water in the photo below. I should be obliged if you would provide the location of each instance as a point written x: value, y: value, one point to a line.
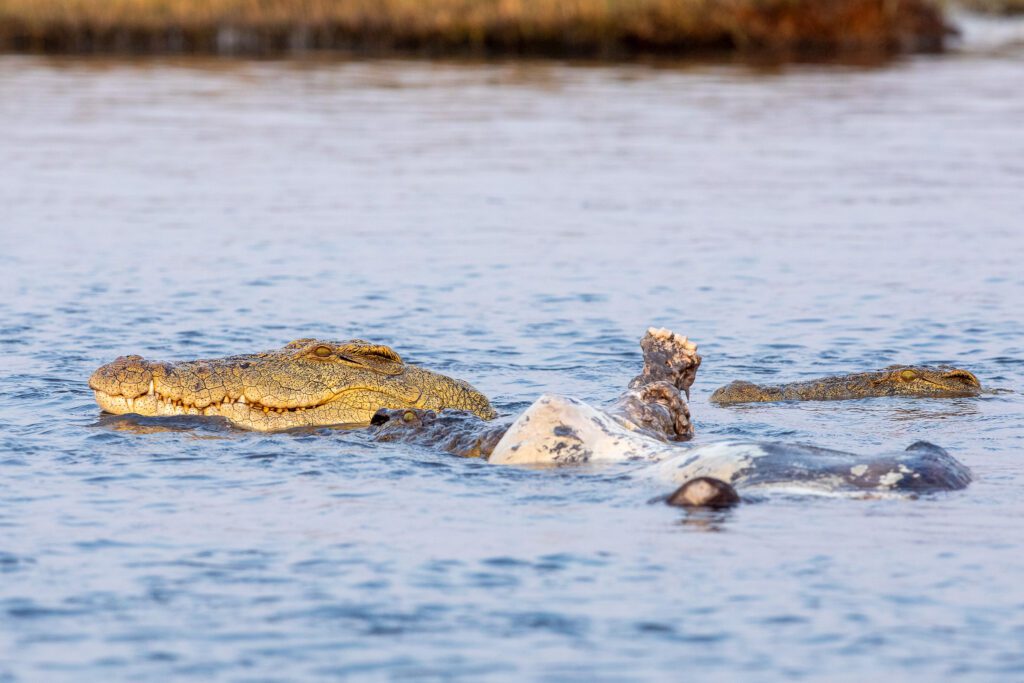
x: 517, y: 225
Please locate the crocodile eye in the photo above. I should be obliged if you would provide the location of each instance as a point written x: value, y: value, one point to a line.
x: 323, y: 351
x: 908, y: 375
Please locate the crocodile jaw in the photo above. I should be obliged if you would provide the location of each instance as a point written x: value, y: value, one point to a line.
x: 351, y: 407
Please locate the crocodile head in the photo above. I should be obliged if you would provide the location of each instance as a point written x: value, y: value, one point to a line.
x: 927, y: 381
x: 309, y: 382
x: 923, y: 381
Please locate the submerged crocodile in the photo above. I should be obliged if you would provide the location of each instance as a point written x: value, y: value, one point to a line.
x: 925, y: 381
x: 308, y: 382
x: 311, y: 382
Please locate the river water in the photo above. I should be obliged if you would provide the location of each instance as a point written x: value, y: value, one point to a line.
x: 518, y: 225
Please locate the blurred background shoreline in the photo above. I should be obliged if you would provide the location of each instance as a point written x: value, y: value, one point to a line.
x: 603, y: 29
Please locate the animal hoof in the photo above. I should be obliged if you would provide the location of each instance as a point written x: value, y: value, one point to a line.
x: 667, y: 357
x: 704, y: 492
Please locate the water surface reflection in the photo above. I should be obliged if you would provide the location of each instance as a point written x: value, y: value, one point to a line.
x: 519, y: 226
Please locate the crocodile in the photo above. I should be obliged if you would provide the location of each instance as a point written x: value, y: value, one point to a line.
x: 646, y: 425
x: 922, y: 381
x: 312, y: 382
x: 307, y: 383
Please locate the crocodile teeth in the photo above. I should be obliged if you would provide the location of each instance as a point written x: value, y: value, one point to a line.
x: 181, y: 406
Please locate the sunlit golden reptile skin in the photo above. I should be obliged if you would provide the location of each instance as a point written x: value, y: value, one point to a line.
x: 309, y: 382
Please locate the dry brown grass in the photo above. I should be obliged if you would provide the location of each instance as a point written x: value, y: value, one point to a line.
x: 562, y: 27
x: 1006, y: 7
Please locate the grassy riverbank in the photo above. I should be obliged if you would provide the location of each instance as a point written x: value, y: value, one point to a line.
x: 599, y: 28
x: 1006, y: 7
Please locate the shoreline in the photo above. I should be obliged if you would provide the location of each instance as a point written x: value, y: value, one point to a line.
x: 590, y: 29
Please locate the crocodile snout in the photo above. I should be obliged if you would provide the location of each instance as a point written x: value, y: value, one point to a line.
x: 127, y: 376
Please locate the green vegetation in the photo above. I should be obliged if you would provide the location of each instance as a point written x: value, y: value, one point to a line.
x: 600, y: 28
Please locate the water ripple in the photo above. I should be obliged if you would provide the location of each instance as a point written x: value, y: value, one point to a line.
x: 518, y: 225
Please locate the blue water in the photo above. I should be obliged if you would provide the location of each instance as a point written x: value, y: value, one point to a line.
x: 519, y: 226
